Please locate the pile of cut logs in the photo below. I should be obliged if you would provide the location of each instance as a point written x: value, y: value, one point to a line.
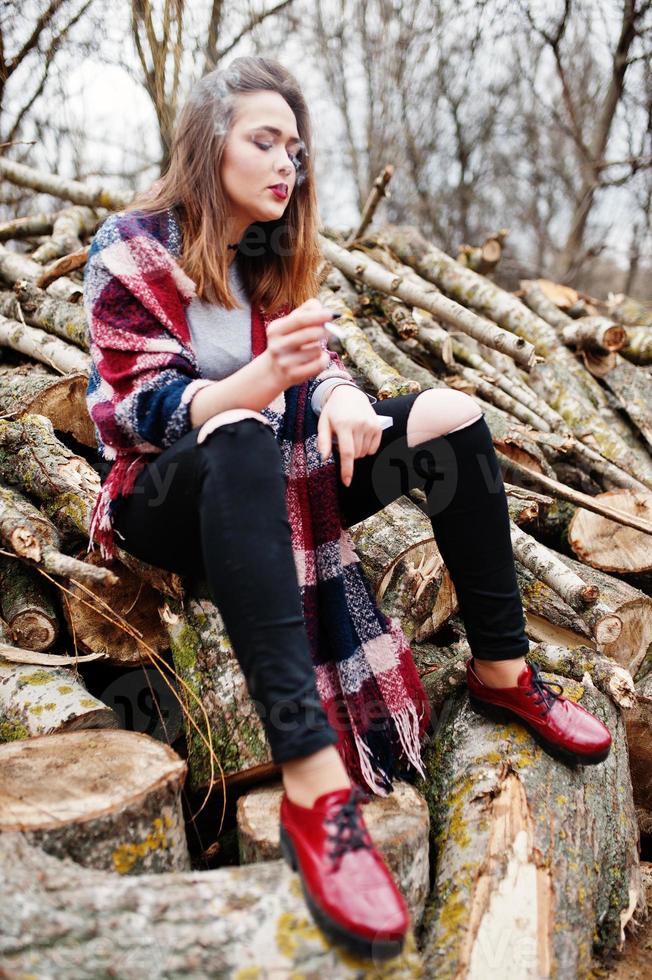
x: 512, y: 863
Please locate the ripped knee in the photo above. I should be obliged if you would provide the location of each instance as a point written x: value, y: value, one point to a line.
x: 230, y: 415
x: 439, y: 411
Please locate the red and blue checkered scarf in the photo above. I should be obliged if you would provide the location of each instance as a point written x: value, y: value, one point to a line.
x: 143, y: 376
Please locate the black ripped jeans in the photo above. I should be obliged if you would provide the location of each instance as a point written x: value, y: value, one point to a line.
x: 216, y: 512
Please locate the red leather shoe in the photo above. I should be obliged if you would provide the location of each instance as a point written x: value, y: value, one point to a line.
x: 562, y: 727
x: 347, y: 886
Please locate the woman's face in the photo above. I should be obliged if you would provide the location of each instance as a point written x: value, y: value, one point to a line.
x: 255, y: 158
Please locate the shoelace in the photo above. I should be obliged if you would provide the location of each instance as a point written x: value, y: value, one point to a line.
x: 544, y: 689
x: 346, y: 819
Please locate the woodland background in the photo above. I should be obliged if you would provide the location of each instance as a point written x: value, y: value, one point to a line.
x: 532, y: 116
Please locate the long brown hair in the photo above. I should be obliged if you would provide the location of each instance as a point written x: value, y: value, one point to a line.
x: 277, y: 260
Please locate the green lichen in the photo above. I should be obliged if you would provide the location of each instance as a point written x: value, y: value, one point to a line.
x: 70, y: 504
x: 126, y: 856
x: 39, y: 677
x: 38, y: 709
x: 12, y: 731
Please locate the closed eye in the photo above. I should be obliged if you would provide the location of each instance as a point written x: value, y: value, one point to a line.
x: 264, y: 146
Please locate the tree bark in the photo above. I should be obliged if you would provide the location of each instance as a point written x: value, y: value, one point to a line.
x: 639, y: 738
x: 43, y: 347
x: 631, y: 605
x: 56, y: 316
x: 630, y: 311
x: 521, y: 881
x: 229, y: 915
x: 215, y: 694
x: 109, y: 801
x: 14, y: 267
x: 402, y: 563
x: 68, y: 228
x: 32, y: 536
x: 43, y: 700
x: 560, y: 379
x: 61, y: 400
x: 359, y: 266
x: 597, y: 332
x: 27, y: 605
x: 69, y: 190
x: 631, y: 387
x: 638, y: 348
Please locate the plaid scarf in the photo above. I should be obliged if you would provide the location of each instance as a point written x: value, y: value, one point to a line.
x: 143, y: 376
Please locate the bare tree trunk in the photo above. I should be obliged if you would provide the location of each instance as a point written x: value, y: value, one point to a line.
x: 592, y: 165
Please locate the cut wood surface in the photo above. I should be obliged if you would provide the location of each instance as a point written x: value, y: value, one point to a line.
x: 108, y: 799
x: 602, y: 543
x: 122, y: 620
x: 27, y: 605
x: 403, y: 564
x: 632, y: 606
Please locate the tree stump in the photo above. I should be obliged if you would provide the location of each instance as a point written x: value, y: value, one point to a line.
x: 108, y: 800
x: 398, y: 824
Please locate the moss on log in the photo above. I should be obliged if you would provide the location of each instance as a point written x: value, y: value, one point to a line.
x: 205, y: 662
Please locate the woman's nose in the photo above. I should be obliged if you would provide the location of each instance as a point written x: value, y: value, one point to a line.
x: 286, y: 165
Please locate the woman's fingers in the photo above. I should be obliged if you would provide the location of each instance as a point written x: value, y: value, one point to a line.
x: 346, y: 449
x: 300, y: 318
x: 290, y: 341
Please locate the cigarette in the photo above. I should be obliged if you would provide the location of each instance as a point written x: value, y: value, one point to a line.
x: 334, y: 330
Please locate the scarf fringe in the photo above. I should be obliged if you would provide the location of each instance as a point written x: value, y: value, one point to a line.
x: 372, y: 771
x: 121, y: 479
x: 407, y: 727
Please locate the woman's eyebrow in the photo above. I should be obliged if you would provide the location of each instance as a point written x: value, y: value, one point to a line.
x: 275, y: 132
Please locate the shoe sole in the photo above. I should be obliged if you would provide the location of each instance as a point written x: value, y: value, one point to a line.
x: 497, y: 713
x: 377, y: 949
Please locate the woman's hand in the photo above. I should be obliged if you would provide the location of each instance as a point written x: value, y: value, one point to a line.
x: 348, y: 414
x: 296, y: 344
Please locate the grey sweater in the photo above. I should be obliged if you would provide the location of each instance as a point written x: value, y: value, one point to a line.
x: 222, y: 338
